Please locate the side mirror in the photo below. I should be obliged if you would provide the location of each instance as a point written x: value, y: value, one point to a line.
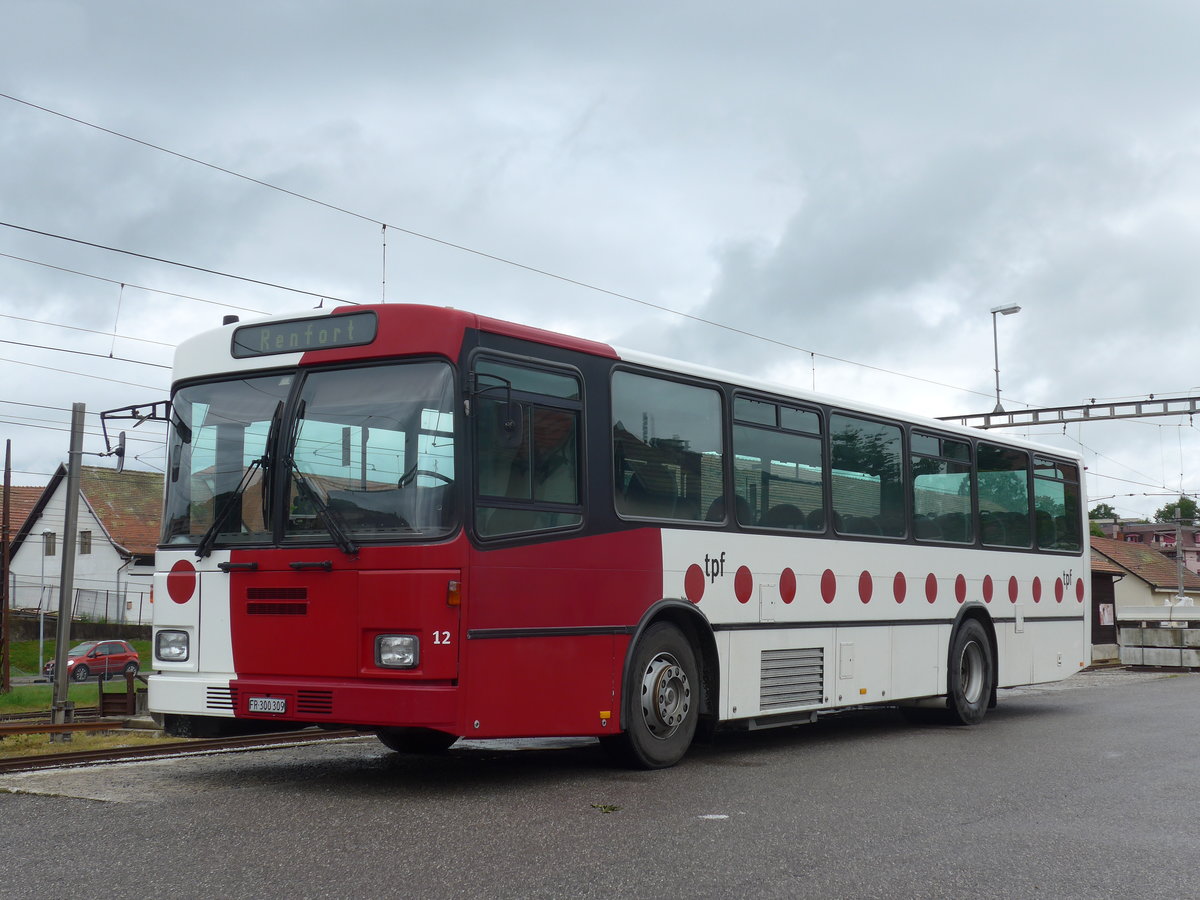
x: 512, y: 426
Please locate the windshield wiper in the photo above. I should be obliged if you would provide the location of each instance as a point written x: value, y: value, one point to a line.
x: 330, y: 518
x: 231, y: 503
x: 234, y: 500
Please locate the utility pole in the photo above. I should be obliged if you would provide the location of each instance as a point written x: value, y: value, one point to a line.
x: 1183, y: 599
x: 5, y: 636
x: 63, y: 710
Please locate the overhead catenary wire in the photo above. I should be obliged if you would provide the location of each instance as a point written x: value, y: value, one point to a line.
x: 123, y: 337
x: 171, y: 262
x: 138, y: 362
x: 384, y: 226
x: 445, y: 243
x: 82, y: 374
x: 140, y: 287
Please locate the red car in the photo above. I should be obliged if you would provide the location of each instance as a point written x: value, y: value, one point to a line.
x: 104, y: 658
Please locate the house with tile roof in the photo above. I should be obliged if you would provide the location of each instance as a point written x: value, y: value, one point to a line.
x: 114, y: 543
x: 20, y: 504
x: 1146, y: 577
x: 1159, y: 535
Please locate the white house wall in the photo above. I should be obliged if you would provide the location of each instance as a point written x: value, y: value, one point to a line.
x: 107, y: 587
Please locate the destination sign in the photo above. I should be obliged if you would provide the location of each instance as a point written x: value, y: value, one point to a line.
x: 299, y: 335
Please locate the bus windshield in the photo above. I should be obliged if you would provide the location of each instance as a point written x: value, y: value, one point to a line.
x: 372, y: 453
x: 367, y: 453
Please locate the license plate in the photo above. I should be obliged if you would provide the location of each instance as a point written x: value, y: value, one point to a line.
x: 268, y: 704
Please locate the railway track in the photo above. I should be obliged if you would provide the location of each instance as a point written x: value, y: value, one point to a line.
x: 81, y: 712
x: 183, y: 747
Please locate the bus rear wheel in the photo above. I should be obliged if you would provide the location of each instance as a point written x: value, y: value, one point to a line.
x: 424, y: 741
x: 662, y: 701
x: 970, y: 677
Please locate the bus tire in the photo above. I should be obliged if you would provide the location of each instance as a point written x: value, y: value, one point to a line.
x: 662, y: 701
x: 970, y: 682
x: 423, y: 741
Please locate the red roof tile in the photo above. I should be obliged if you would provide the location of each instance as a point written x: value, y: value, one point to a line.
x: 129, y: 505
x: 23, y: 500
x: 1148, y: 564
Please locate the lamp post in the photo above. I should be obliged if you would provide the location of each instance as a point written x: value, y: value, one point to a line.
x: 1004, y: 311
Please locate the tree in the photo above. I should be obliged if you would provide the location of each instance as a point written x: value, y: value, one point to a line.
x: 1102, y: 511
x: 1183, y: 508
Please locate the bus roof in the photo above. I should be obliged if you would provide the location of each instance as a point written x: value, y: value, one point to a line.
x: 441, y: 330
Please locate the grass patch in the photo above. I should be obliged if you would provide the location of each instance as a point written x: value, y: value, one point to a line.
x: 39, y: 744
x: 40, y: 697
x: 23, y: 655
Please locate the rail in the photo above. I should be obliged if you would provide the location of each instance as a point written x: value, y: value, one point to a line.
x: 62, y: 728
x: 181, y: 747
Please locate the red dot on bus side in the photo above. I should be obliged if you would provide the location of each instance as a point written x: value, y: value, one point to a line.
x: 1013, y: 589
x: 931, y: 587
x: 787, y: 586
x: 899, y: 587
x: 960, y: 588
x: 865, y: 586
x: 828, y: 585
x: 988, y: 588
x: 181, y: 581
x: 743, y: 584
x: 1037, y: 590
x: 693, y: 583
x: 1079, y: 589
x: 1059, y: 590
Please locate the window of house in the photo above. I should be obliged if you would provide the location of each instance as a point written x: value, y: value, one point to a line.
x: 48, y: 543
x: 85, y: 543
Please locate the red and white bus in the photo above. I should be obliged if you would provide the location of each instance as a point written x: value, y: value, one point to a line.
x: 430, y: 524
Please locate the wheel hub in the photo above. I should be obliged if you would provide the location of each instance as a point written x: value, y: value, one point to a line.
x: 666, y: 695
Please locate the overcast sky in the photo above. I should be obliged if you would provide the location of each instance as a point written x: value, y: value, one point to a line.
x: 860, y: 183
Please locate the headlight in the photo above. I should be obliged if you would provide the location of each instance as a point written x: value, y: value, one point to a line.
x: 397, y: 651
x: 171, y: 646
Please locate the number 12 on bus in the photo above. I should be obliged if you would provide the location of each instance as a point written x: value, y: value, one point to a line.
x: 429, y: 524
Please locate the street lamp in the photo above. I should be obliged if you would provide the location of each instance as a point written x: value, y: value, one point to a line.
x: 1004, y: 311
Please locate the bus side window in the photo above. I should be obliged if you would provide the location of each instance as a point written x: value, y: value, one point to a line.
x: 866, y: 472
x: 778, y: 472
x: 941, y: 489
x: 1003, y: 496
x: 530, y: 483
x: 1057, y: 501
x: 667, y: 448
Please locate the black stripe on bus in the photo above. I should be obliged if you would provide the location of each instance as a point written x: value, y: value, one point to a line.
x: 771, y: 626
x: 487, y: 634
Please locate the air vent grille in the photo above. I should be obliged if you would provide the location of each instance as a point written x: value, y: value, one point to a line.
x: 221, y: 698
x: 277, y: 609
x: 318, y: 703
x: 277, y: 593
x: 791, y: 678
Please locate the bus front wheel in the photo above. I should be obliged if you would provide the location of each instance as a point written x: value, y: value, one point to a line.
x: 662, y: 701
x: 970, y: 677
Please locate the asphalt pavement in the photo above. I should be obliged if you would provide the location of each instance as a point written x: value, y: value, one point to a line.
x: 1081, y: 789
